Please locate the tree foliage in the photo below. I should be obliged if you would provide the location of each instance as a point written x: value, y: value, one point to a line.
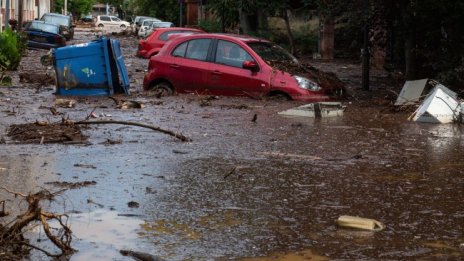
x: 76, y: 7
x: 12, y: 44
x: 166, y: 10
x: 417, y: 36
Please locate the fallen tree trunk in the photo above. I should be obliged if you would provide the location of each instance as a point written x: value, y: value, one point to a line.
x: 177, y: 135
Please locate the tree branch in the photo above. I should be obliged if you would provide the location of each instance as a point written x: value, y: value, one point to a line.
x: 155, y: 128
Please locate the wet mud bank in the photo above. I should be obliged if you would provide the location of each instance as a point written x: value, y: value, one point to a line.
x: 251, y: 184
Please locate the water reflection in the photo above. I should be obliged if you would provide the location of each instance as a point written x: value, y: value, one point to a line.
x: 101, y: 234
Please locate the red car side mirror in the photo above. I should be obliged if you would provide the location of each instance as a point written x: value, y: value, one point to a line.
x: 250, y: 65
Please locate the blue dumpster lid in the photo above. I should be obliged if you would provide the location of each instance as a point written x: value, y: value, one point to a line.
x: 123, y: 78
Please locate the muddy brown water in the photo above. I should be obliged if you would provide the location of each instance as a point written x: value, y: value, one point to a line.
x: 270, y: 189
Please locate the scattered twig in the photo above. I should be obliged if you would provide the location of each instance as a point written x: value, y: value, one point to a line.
x: 230, y: 172
x: 90, y: 114
x: 13, y: 192
x: 155, y: 128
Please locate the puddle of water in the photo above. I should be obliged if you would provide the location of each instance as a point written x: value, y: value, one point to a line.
x: 100, y: 235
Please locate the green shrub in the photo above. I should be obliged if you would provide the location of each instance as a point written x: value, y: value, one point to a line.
x: 210, y: 26
x: 11, y: 46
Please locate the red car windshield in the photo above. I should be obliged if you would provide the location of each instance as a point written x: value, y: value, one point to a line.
x: 270, y: 52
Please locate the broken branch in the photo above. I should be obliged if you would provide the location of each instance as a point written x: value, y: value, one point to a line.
x: 177, y: 135
x: 13, y: 233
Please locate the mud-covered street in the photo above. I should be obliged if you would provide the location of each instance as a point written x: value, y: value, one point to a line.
x: 251, y: 185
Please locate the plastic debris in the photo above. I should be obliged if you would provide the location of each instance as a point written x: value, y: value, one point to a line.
x: 360, y: 223
x: 440, y: 106
x: 65, y: 103
x: 412, y: 92
x: 316, y: 110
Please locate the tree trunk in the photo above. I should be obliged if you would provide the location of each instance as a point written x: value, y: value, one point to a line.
x: 327, y: 40
x: 248, y: 22
x: 289, y: 31
x: 252, y: 23
x: 409, y: 41
x: 410, y: 57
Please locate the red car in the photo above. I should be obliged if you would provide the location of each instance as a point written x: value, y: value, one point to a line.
x: 235, y: 65
x: 153, y: 43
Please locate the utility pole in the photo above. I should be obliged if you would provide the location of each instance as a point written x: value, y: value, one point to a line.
x: 7, y: 13
x: 365, y: 49
x: 65, y: 11
x: 181, y: 3
x: 20, y: 15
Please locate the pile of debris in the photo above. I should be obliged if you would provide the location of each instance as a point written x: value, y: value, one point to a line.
x: 437, y: 103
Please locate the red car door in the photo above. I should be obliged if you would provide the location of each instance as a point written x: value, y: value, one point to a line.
x: 189, y: 68
x: 228, y: 77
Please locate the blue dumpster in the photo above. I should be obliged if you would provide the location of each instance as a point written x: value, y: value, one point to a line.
x: 90, y: 69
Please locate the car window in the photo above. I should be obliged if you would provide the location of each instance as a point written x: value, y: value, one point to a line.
x: 164, y: 36
x: 105, y: 18
x: 115, y: 19
x: 161, y: 24
x: 180, y: 50
x: 61, y: 20
x: 231, y: 54
x: 198, y: 49
x: 272, y: 52
x: 43, y: 27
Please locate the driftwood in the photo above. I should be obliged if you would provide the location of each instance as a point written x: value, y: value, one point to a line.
x: 177, y: 135
x: 11, y: 236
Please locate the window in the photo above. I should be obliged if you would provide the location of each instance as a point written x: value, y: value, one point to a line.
x: 180, y: 50
x: 115, y: 19
x: 272, y: 52
x: 231, y: 54
x: 196, y: 49
x: 164, y: 36
x: 54, y: 19
x: 105, y: 18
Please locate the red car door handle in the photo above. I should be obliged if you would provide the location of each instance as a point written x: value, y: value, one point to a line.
x: 174, y: 65
x: 216, y: 72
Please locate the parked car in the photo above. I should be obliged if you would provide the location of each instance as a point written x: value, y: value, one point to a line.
x: 43, y: 35
x: 64, y: 21
x: 145, y: 25
x: 235, y: 65
x: 153, y: 43
x: 87, y: 18
x: 110, y: 21
x: 138, y: 22
x: 155, y: 25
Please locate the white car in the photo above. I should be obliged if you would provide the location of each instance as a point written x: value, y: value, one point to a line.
x: 145, y: 25
x: 110, y: 22
x: 155, y: 25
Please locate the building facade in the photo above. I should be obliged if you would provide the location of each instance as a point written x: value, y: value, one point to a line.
x: 31, y: 9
